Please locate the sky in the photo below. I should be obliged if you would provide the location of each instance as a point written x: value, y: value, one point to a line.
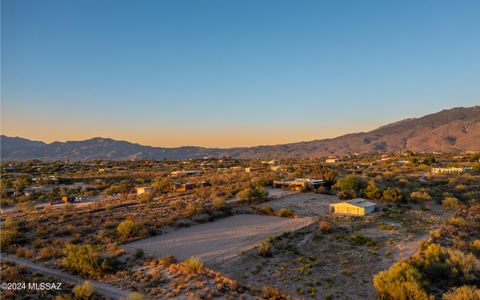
x: 231, y: 73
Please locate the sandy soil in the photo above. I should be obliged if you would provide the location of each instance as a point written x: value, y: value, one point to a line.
x: 304, y: 204
x: 280, y: 193
x: 225, y: 237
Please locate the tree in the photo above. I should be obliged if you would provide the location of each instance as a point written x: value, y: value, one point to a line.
x: 252, y: 193
x: 162, y: 184
x: 372, y: 191
x: 350, y: 186
x: 476, y: 168
x: 317, y: 170
x: 329, y: 177
x: 401, y: 281
x: 128, y: 229
x: 392, y: 195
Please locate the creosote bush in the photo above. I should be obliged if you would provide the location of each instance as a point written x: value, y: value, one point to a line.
x: 266, y: 210
x: 194, y: 264
x: 285, y: 213
x: 264, y: 249
x: 87, y: 260
x: 136, y: 296
x: 167, y: 261
x: 420, y: 196
x: 466, y: 292
x: 325, y: 227
x: 128, y: 229
x: 450, y: 201
x: 83, y: 291
x: 401, y: 281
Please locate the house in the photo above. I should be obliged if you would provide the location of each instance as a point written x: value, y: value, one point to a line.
x: 356, y: 207
x: 185, y: 172
x: 450, y: 170
x: 250, y: 169
x: 66, y: 199
x: 184, y: 186
x: 143, y: 190
x: 331, y: 160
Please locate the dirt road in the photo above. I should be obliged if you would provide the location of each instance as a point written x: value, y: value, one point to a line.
x: 104, y: 289
x: 206, y: 241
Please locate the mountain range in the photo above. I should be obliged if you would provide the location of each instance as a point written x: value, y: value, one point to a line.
x: 452, y: 130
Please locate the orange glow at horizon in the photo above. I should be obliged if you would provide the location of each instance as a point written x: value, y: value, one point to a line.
x: 210, y: 138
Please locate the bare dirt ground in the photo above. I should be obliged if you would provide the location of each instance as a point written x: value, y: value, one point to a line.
x: 207, y: 241
x: 279, y: 193
x: 304, y: 204
x: 341, y: 264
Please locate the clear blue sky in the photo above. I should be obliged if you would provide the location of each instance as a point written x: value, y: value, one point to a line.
x: 230, y: 73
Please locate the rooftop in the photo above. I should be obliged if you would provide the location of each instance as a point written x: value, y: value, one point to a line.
x: 360, y: 202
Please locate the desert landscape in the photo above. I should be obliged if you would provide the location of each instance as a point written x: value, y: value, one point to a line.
x: 239, y: 150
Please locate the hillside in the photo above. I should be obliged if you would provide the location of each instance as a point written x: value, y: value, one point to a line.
x: 456, y: 129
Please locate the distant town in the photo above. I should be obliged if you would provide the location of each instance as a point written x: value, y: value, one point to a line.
x: 232, y: 228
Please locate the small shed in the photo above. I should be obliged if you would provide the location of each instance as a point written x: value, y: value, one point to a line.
x: 143, y: 190
x: 356, y: 207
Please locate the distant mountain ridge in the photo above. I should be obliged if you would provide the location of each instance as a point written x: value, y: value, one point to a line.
x: 456, y: 129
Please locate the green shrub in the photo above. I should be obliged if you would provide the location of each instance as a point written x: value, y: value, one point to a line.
x: 84, y: 291
x: 271, y: 293
x: 167, y: 261
x: 128, y: 229
x: 136, y: 296
x: 457, y: 221
x: 218, y: 202
x: 420, y: 196
x: 441, y: 263
x: 87, y: 260
x: 359, y: 239
x: 450, y: 201
x: 252, y: 193
x: 194, y: 264
x: 372, y: 191
x: 9, y: 233
x: 285, y: 213
x: 392, y: 195
x: 465, y: 292
x: 350, y: 186
x: 264, y: 249
x: 8, y: 237
x: 266, y: 210
x: 475, y: 246
x: 325, y: 227
x: 401, y: 281
x: 139, y: 253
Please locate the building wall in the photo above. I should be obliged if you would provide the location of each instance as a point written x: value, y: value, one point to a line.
x: 345, y: 208
x: 369, y: 210
x: 141, y: 191
x: 447, y: 170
